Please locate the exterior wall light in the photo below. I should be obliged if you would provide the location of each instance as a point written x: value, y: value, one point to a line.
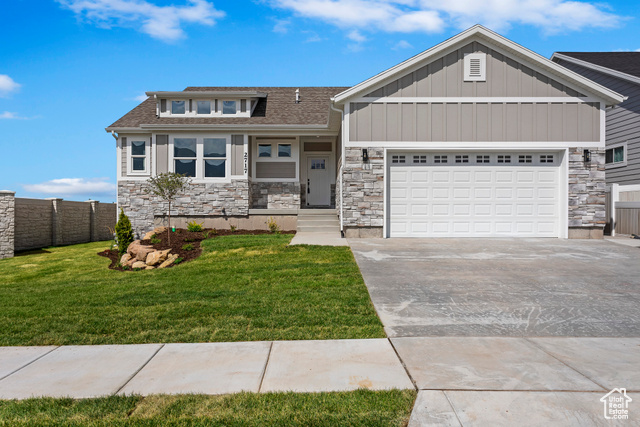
x: 365, y: 155
x: 587, y: 156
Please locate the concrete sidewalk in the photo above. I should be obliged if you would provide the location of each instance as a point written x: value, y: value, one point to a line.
x: 461, y: 380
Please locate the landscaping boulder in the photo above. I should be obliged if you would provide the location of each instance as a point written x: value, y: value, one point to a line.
x: 168, y: 261
x: 139, y: 264
x: 149, y: 235
x: 139, y: 251
x: 124, y: 260
x: 156, y: 257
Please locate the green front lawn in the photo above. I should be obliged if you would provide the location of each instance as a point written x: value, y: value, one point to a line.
x: 243, y: 288
x: 358, y: 408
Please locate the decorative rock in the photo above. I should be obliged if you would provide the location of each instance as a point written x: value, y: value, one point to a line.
x: 148, y: 267
x: 157, y: 257
x: 138, y: 251
x: 159, y: 230
x: 169, y: 261
x: 149, y: 235
x: 139, y: 264
x: 125, y: 259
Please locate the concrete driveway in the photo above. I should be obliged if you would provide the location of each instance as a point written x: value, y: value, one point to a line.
x: 502, y: 287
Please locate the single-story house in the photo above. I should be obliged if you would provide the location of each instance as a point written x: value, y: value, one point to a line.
x: 619, y: 71
x: 477, y: 136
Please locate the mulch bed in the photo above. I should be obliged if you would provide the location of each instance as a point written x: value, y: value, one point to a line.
x: 180, y: 238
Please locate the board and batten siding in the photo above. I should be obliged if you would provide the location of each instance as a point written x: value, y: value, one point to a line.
x: 573, y: 121
x: 445, y: 77
x: 162, y: 153
x: 237, y: 152
x: 622, y: 123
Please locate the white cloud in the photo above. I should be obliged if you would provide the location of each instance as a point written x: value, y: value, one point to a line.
x: 429, y: 16
x: 140, y: 98
x: 356, y: 36
x: 69, y: 187
x: 313, y: 37
x: 161, y: 22
x: 281, y: 26
x: 11, y: 116
x: 402, y: 44
x: 7, y: 85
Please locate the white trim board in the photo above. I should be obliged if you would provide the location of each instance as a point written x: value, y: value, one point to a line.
x: 466, y: 145
x: 534, y: 61
x: 475, y: 100
x: 599, y: 68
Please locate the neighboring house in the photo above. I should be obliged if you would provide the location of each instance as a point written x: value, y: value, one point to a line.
x: 477, y: 136
x: 619, y: 71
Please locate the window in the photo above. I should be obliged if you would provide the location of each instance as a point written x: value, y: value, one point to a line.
x: 419, y: 159
x: 215, y: 155
x: 525, y: 158
x: 440, y: 159
x: 546, y: 158
x: 185, y: 154
x: 138, y: 156
x: 398, y: 159
x: 482, y: 159
x: 229, y: 107
x: 504, y: 158
x: 462, y: 159
x: 475, y: 67
x: 203, y: 107
x: 317, y: 164
x: 264, y: 150
x: 284, y: 150
x: 177, y: 107
x: 616, y: 156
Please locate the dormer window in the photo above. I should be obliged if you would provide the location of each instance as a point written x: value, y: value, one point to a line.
x: 229, y: 107
x: 204, y: 107
x: 178, y: 107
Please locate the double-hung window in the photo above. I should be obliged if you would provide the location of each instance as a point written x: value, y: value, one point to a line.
x: 616, y: 156
x: 138, y: 156
x: 214, y: 156
x: 185, y: 155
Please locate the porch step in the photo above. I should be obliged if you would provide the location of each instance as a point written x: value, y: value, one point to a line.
x: 318, y: 221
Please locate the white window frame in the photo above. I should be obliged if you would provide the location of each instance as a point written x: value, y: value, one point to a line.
x: 214, y: 113
x: 615, y: 165
x: 264, y: 144
x: 200, y: 178
x: 170, y: 107
x: 295, y: 157
x: 278, y: 150
x: 212, y: 107
x: 130, y: 156
x: 482, y: 58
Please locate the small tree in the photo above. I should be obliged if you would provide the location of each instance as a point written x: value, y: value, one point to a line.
x: 167, y: 186
x: 124, y: 232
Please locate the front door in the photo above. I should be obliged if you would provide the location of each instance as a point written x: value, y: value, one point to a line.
x: 318, y: 184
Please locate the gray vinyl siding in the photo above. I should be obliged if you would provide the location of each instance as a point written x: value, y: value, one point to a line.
x: 622, y: 124
x: 237, y: 152
x: 275, y: 169
x: 474, y: 122
x: 162, y: 153
x: 445, y: 77
x: 123, y: 159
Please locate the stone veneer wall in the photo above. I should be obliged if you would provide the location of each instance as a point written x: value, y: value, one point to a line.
x: 216, y: 199
x: 587, y: 212
x: 34, y: 223
x: 363, y: 193
x: 7, y: 209
x: 275, y: 195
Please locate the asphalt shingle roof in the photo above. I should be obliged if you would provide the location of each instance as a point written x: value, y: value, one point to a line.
x: 279, y: 108
x: 625, y: 62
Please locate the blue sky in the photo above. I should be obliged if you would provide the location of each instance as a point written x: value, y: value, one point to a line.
x: 69, y: 68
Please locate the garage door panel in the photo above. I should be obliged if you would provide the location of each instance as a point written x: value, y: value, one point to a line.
x: 469, y: 199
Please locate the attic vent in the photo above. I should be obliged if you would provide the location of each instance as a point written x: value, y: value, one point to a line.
x: 475, y: 67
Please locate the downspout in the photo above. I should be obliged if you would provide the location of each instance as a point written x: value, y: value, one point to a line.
x: 342, y: 159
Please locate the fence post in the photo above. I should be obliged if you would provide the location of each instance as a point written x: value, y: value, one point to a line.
x: 7, y: 223
x: 93, y: 219
x: 615, y: 197
x: 56, y: 221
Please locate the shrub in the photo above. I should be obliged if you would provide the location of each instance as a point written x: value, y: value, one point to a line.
x: 273, y: 225
x: 189, y: 240
x: 187, y: 247
x: 178, y: 260
x: 124, y: 232
x: 233, y: 228
x: 214, y: 231
x: 205, y: 234
x: 194, y: 226
x: 155, y: 241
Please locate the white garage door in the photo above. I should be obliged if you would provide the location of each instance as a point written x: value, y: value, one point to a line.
x: 474, y: 194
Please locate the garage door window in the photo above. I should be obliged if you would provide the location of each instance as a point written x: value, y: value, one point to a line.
x: 504, y: 159
x: 462, y: 159
x: 419, y: 159
x: 398, y: 159
x: 483, y: 159
x: 440, y: 159
x: 546, y: 158
x: 525, y: 159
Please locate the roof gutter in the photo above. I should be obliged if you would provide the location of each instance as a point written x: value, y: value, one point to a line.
x: 342, y: 154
